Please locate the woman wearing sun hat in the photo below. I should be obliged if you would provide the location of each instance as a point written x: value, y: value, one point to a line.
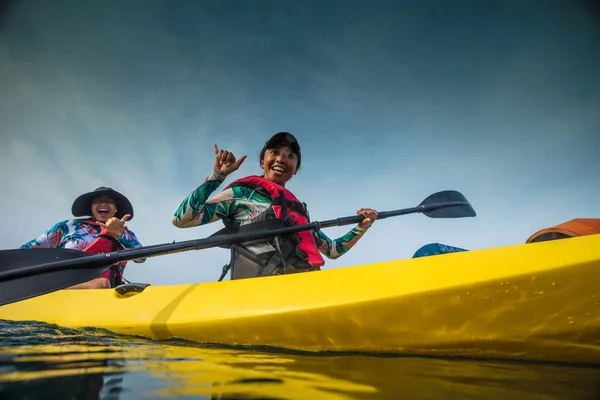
x: 262, y: 203
x: 102, y: 229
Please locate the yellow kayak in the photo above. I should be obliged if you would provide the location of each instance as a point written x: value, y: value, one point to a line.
x: 529, y: 301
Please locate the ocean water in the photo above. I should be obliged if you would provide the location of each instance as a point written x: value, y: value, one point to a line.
x: 43, y: 361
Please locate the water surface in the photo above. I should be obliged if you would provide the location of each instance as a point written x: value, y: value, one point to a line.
x: 43, y: 361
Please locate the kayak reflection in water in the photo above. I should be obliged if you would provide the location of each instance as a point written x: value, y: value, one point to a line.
x: 262, y: 203
x: 103, y: 231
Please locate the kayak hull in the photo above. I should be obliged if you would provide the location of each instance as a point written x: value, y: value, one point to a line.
x: 532, y: 301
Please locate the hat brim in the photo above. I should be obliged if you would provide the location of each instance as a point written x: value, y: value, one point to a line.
x: 82, y: 206
x: 283, y: 139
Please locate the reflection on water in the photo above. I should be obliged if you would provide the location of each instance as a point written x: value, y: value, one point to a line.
x: 39, y: 361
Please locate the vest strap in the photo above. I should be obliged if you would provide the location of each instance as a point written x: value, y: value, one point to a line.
x: 115, y: 276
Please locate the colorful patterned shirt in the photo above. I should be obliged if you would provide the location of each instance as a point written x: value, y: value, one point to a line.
x: 78, y: 234
x: 242, y: 204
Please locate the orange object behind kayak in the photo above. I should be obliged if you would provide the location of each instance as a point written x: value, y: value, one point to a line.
x: 575, y: 227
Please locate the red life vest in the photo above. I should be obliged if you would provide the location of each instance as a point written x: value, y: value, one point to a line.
x: 285, y: 209
x: 106, y: 242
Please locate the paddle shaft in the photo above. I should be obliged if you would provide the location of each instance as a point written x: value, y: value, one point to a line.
x: 108, y: 259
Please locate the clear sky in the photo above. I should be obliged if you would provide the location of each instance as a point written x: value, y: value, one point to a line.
x: 391, y: 101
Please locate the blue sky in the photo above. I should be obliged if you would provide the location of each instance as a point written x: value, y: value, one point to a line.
x: 391, y: 101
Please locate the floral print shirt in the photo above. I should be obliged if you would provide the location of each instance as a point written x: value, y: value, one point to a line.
x: 242, y: 204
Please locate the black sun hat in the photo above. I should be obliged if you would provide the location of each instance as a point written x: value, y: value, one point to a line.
x: 283, y: 139
x: 82, y: 206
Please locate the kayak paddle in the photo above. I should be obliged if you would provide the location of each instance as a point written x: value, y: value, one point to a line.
x: 26, y: 273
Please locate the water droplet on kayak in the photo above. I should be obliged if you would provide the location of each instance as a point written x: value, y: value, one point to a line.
x: 468, y: 293
x: 571, y: 322
x: 553, y: 283
x: 533, y: 278
x: 541, y: 292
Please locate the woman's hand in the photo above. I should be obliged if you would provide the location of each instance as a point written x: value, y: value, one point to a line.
x: 225, y: 161
x: 370, y: 217
x: 115, y: 225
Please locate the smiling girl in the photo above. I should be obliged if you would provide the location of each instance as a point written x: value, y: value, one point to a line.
x: 103, y: 231
x: 264, y: 202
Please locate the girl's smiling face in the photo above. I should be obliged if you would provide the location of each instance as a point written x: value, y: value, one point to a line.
x: 279, y: 164
x: 103, y: 208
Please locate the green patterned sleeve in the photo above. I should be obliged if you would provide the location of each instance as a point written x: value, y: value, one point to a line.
x: 196, y: 209
x: 333, y: 249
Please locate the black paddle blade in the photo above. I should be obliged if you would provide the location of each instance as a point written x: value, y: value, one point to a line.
x: 23, y: 287
x: 447, y: 204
